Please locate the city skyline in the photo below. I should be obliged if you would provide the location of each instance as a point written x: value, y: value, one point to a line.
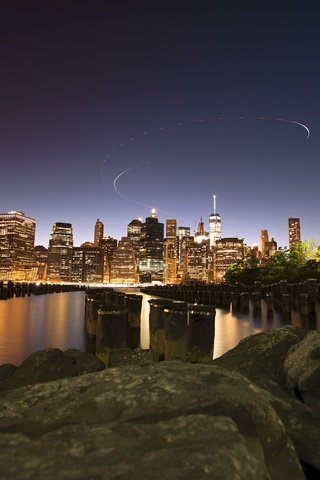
x: 109, y: 109
x: 104, y: 234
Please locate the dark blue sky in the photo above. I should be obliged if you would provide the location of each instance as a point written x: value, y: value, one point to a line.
x: 172, y: 92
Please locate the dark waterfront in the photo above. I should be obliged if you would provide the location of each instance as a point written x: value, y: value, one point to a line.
x: 38, y: 322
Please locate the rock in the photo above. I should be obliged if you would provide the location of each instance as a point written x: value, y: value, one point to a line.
x: 301, y: 369
x: 302, y: 423
x: 261, y: 356
x: 6, y: 370
x: 167, y: 420
x: 128, y: 356
x: 51, y: 364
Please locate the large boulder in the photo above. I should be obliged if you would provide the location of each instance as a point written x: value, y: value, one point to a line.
x: 167, y: 420
x: 6, y: 370
x: 301, y: 369
x: 51, y: 364
x: 260, y: 356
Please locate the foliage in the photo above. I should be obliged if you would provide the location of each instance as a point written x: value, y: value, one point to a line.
x: 295, y: 265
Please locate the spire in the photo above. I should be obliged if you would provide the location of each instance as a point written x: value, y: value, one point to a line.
x: 153, y: 213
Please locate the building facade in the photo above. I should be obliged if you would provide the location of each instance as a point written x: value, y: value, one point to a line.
x: 226, y: 252
x: 109, y: 246
x: 124, y: 267
x: 134, y: 233
x: 151, y: 249
x: 17, y: 234
x: 294, y: 231
x: 170, y: 252
x: 87, y: 264
x: 98, y: 233
x: 60, y: 252
x: 264, y: 242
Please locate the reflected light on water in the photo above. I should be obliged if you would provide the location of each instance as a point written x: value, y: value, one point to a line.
x: 57, y: 320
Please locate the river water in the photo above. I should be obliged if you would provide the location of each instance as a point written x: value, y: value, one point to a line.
x: 57, y: 320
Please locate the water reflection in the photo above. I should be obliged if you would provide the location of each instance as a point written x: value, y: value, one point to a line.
x: 57, y: 320
x: 37, y: 322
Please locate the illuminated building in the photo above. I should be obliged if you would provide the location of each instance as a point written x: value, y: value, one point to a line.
x: 198, y: 261
x: 200, y: 234
x: 87, y: 264
x: 17, y: 233
x: 183, y: 235
x: 40, y: 255
x: 151, y: 250
x: 60, y: 252
x: 134, y: 233
x: 294, y: 231
x: 170, y: 252
x: 214, y: 225
x: 226, y: 252
x: 123, y: 264
x: 272, y: 247
x: 108, y: 245
x: 264, y: 241
x: 98, y: 233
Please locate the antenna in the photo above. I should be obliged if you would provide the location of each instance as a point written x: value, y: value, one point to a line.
x: 214, y: 204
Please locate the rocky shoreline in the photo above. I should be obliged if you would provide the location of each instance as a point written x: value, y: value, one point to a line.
x: 250, y: 414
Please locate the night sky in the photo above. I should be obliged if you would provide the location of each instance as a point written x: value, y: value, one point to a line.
x: 181, y: 98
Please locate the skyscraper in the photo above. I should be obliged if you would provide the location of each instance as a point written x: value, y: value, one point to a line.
x: 151, y: 251
x: 123, y: 264
x: 294, y: 231
x: 264, y: 242
x: 17, y: 233
x: 87, y: 264
x: 134, y: 233
x: 98, y: 233
x: 170, y: 252
x: 226, y: 252
x: 60, y: 252
x: 214, y: 225
x: 198, y: 259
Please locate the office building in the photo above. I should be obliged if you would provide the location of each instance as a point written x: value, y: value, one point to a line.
x: 17, y: 234
x: 198, y: 260
x: 170, y: 252
x: 98, y: 233
x: 264, y: 242
x: 294, y: 232
x: 214, y: 225
x: 200, y: 234
x: 87, y: 264
x: 151, y: 250
x: 108, y: 245
x: 272, y: 247
x: 40, y: 255
x: 134, y: 233
x: 123, y: 264
x: 226, y: 252
x: 60, y: 252
x: 183, y: 235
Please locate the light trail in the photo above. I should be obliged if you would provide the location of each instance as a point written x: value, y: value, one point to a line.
x: 145, y: 133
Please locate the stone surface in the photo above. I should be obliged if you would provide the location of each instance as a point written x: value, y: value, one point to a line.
x: 6, y: 370
x: 167, y: 420
x: 129, y: 356
x: 261, y: 355
x: 51, y: 364
x: 301, y: 369
x: 261, y: 358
